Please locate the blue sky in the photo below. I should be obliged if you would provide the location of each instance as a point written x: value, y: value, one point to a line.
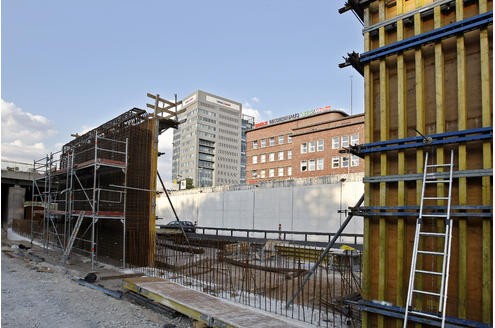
x: 69, y: 66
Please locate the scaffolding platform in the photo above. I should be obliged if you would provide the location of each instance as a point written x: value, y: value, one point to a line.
x: 213, y: 311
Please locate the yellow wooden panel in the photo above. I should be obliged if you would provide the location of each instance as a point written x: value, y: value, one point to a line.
x: 402, y: 133
x: 486, y: 103
x: 368, y: 118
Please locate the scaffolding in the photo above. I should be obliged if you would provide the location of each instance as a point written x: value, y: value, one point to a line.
x: 86, y: 178
x: 107, y: 177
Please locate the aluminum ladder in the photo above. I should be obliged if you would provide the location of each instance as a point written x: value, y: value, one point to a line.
x: 433, y: 226
x: 72, y: 238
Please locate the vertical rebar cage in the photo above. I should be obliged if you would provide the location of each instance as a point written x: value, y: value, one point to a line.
x: 89, y: 177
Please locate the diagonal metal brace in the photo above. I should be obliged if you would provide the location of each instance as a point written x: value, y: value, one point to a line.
x: 325, y: 252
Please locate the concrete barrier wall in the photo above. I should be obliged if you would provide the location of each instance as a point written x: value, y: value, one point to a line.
x: 309, y: 208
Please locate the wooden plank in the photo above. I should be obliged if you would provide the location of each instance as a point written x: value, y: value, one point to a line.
x: 462, y: 164
x: 162, y: 109
x: 157, y: 98
x: 401, y: 289
x: 486, y: 104
x: 420, y: 125
x: 384, y: 127
x: 483, y: 6
x: 113, y: 276
x: 368, y: 135
x: 203, y: 307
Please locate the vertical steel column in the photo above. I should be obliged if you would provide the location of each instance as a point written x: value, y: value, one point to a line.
x: 125, y: 203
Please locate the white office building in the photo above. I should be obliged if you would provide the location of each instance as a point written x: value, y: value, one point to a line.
x: 207, y: 144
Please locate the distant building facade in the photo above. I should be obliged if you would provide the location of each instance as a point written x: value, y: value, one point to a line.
x: 207, y: 144
x: 247, y: 124
x: 304, y: 145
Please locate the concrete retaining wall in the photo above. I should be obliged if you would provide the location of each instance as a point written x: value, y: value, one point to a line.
x: 308, y: 208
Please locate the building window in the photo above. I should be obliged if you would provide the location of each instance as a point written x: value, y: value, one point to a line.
x: 272, y: 141
x: 335, y: 162
x: 345, y: 141
x: 355, y: 139
x: 289, y: 154
x: 289, y: 170
x: 280, y: 171
x: 354, y: 160
x: 280, y: 140
x: 262, y: 174
x: 255, y: 159
x: 271, y: 173
x: 289, y: 138
x: 263, y: 158
x: 255, y: 144
x: 280, y: 155
x: 254, y: 174
x: 263, y: 143
x: 320, y: 164
x: 304, y: 148
x: 312, y: 147
x: 304, y: 166
x: 271, y: 157
x: 335, y: 143
x: 345, y: 161
x: 321, y: 145
x: 311, y: 166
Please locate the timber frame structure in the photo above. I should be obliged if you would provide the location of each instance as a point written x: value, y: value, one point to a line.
x: 427, y: 68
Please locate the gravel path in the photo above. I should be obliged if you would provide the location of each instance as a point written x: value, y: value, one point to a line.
x: 41, y: 295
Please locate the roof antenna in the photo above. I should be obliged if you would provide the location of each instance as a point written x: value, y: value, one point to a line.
x: 426, y: 140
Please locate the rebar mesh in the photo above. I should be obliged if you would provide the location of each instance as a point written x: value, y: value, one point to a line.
x: 264, y: 275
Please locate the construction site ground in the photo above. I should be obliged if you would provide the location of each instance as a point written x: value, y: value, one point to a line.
x: 38, y: 291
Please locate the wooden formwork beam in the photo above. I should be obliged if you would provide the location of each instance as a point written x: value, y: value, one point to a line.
x: 384, y: 133
x: 462, y: 165
x: 486, y: 109
x: 401, y: 163
x: 368, y: 135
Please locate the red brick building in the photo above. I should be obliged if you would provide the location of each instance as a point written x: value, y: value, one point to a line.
x: 304, y: 145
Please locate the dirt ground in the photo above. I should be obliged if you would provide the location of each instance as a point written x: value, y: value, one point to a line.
x: 37, y: 291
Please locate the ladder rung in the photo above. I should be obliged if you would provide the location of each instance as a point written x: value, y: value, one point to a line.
x: 426, y: 293
x: 432, y: 234
x: 434, y: 215
x: 437, y: 181
x: 438, y: 165
x: 425, y: 314
x: 429, y: 272
x: 431, y: 253
x: 436, y: 198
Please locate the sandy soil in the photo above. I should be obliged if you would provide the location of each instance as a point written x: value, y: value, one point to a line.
x: 38, y: 292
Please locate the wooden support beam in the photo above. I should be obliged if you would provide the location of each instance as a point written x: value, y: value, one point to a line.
x: 165, y: 101
x: 486, y: 187
x: 384, y: 132
x: 401, y: 289
x: 368, y: 136
x: 420, y: 124
x: 462, y: 163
